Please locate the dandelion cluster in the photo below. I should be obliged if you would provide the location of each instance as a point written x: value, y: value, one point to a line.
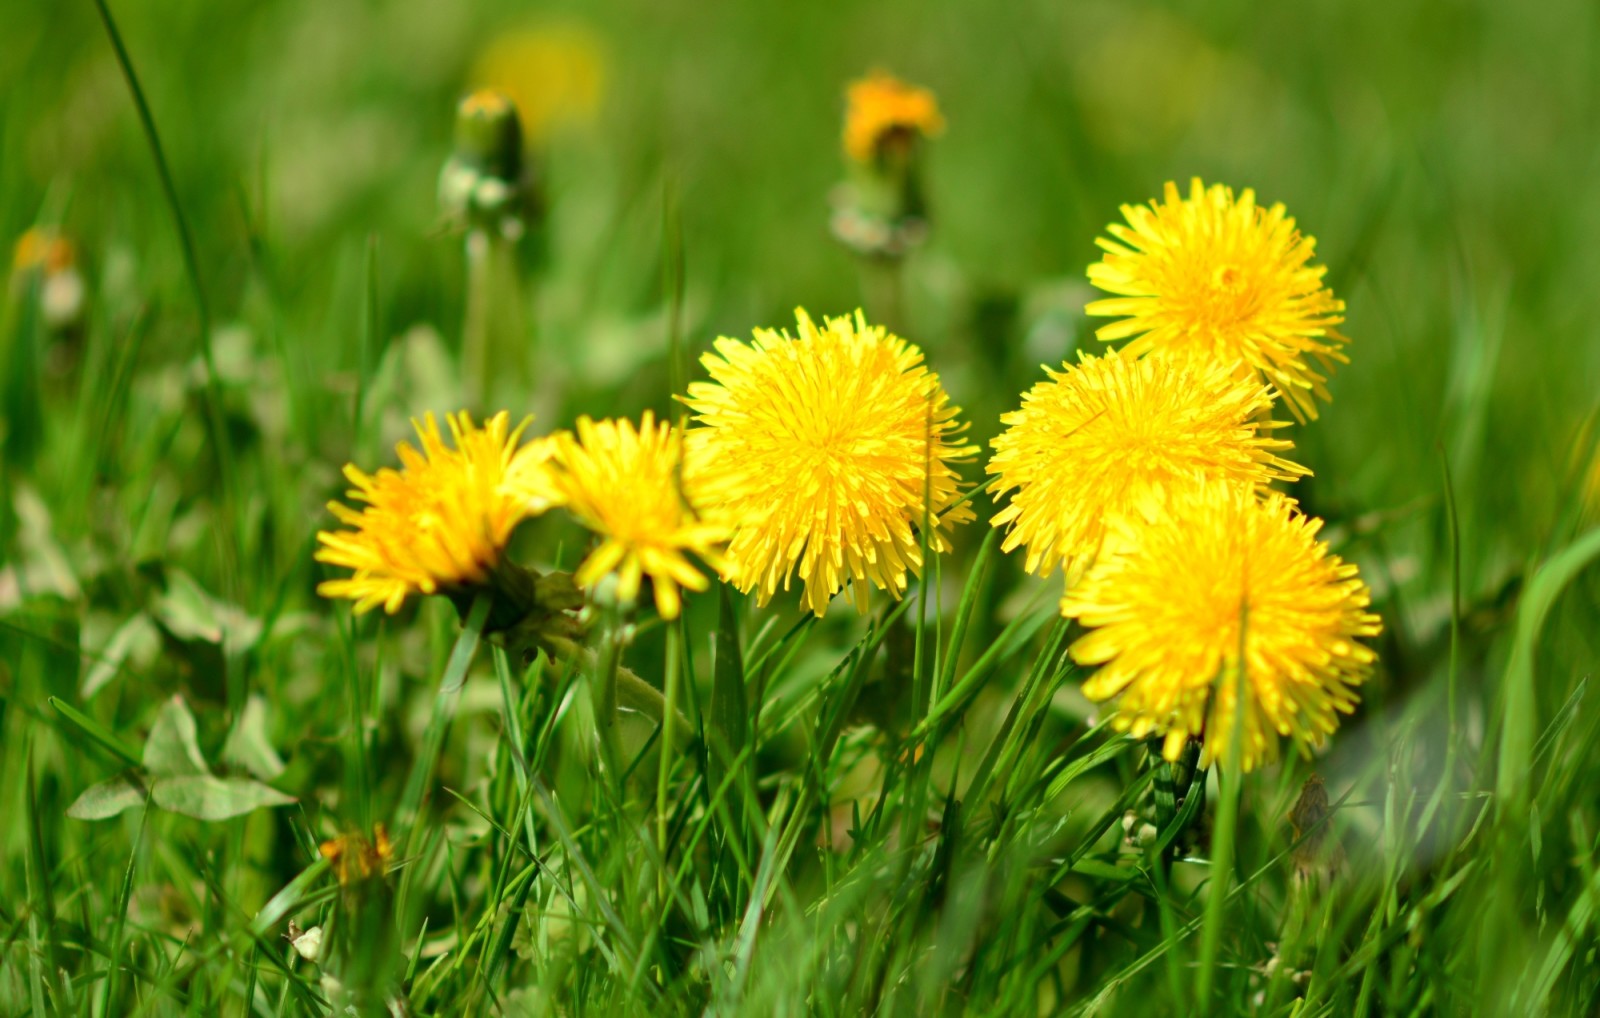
x: 826, y: 453
x: 830, y: 455
x: 1146, y: 475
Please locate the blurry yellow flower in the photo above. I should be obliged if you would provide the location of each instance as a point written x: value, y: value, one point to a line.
x: 1111, y: 437
x: 44, y: 249
x: 1212, y: 277
x: 554, y: 73
x: 44, y: 257
x: 1167, y: 610
x: 354, y: 859
x: 625, y: 485
x: 823, y: 452
x: 881, y: 104
x: 443, y: 519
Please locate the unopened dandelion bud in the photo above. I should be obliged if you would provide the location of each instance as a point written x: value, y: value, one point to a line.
x: 484, y: 182
x: 489, y: 134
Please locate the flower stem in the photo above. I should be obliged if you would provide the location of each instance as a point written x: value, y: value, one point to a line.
x: 669, y: 716
x: 475, y: 329
x: 1231, y: 778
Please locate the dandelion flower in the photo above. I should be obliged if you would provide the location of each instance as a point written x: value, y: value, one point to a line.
x: 442, y: 520
x: 1215, y: 277
x: 879, y: 105
x: 1223, y: 571
x: 825, y: 451
x: 555, y: 73
x: 624, y: 484
x: 1111, y: 437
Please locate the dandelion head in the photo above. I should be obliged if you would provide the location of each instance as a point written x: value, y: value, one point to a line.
x: 1111, y: 436
x: 1224, y: 577
x: 554, y: 73
x: 1216, y: 277
x: 440, y: 522
x: 880, y: 106
x: 625, y: 484
x: 825, y: 452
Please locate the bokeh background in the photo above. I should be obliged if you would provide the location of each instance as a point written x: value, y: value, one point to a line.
x: 1440, y: 152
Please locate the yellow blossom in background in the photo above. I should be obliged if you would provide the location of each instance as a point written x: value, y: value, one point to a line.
x: 43, y: 249
x: 625, y: 484
x: 1220, y: 571
x: 1111, y: 437
x: 824, y: 451
x: 443, y: 519
x: 880, y: 104
x: 555, y: 73
x: 1218, y: 278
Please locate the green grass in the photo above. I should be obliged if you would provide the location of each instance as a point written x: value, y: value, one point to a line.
x: 164, y: 467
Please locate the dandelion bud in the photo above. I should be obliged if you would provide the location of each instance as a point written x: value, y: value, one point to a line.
x: 489, y: 134
x: 484, y: 182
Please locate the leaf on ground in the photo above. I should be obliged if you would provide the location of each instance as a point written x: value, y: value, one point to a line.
x: 248, y: 746
x: 207, y: 798
x: 173, y: 748
x: 106, y: 799
x: 133, y: 639
x: 190, y: 613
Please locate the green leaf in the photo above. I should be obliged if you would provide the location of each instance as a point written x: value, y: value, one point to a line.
x: 248, y: 746
x: 97, y: 733
x: 207, y: 798
x: 1520, y: 718
x: 173, y: 748
x: 191, y: 614
x: 106, y: 799
x: 134, y: 637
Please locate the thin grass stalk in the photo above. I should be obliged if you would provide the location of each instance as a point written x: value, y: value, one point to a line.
x: 444, y: 711
x: 191, y: 264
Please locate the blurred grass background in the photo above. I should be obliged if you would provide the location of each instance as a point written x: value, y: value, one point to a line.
x: 1443, y: 154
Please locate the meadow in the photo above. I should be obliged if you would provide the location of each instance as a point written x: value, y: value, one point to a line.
x: 651, y: 707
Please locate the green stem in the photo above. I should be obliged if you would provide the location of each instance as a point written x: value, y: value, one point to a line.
x: 669, y: 715
x: 883, y: 286
x: 475, y: 328
x: 493, y: 349
x: 1227, y: 824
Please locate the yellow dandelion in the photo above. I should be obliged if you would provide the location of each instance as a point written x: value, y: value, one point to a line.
x: 1214, y: 277
x: 625, y: 485
x: 824, y: 451
x: 1166, y: 614
x: 880, y: 105
x: 1111, y: 437
x: 442, y: 520
x: 43, y: 248
x: 555, y: 73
